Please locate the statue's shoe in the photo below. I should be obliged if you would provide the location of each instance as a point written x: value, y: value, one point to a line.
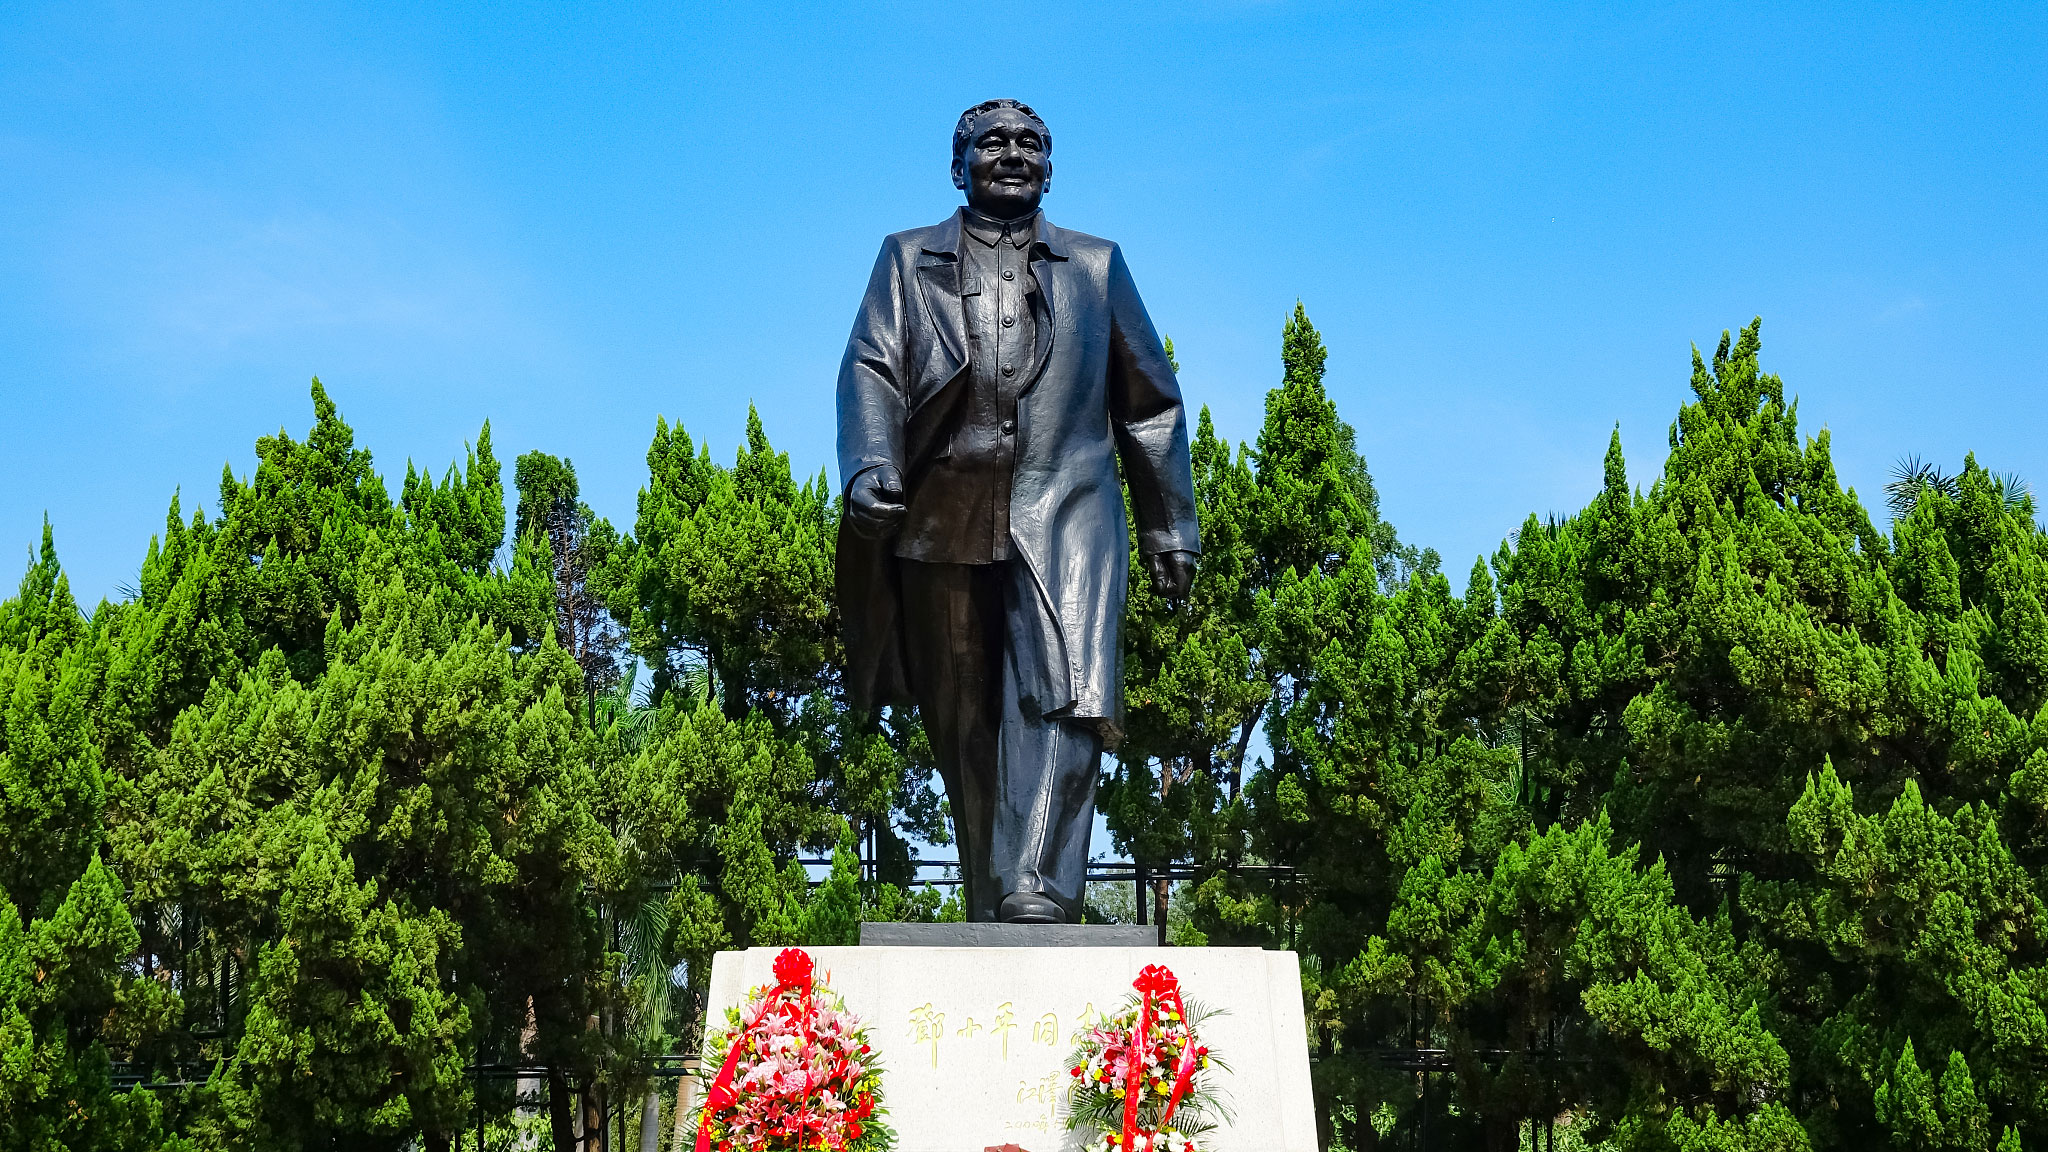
x: 1030, y: 908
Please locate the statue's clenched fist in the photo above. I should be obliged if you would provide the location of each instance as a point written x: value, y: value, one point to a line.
x: 1173, y: 573
x: 875, y: 502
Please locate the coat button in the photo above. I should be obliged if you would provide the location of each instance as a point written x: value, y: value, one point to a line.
x: 1009, y: 427
x: 1009, y: 320
x: 1009, y: 274
x: 1009, y: 369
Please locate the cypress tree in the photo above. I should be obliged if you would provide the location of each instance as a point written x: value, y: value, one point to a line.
x: 353, y: 795
x: 68, y: 997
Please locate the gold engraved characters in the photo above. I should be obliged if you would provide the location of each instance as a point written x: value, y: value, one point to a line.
x: 1046, y: 1030
x: 1044, y: 1090
x: 928, y: 1026
x: 1006, y: 1016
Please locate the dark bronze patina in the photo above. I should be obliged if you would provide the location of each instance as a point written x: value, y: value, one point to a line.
x: 999, y: 371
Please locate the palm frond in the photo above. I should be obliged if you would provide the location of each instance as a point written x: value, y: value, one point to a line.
x: 2014, y: 493
x: 1910, y: 477
x: 697, y: 681
x: 651, y: 982
x: 624, y: 712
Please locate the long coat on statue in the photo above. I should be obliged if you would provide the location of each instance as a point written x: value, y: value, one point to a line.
x: 1102, y: 393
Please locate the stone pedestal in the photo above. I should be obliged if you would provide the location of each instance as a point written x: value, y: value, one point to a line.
x: 974, y: 1040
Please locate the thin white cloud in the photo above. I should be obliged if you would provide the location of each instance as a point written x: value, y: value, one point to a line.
x: 189, y: 275
x: 1902, y: 309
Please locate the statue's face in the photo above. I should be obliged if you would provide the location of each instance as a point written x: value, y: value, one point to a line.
x: 1005, y: 166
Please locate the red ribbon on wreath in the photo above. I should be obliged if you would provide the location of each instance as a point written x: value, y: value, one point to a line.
x: 793, y: 969
x: 1157, y: 986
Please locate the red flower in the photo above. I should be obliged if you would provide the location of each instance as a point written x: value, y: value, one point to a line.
x: 793, y: 968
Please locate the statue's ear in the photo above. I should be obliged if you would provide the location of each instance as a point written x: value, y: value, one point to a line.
x: 959, y: 174
x: 1047, y: 186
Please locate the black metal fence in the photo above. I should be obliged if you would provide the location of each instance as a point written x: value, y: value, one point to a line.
x: 210, y: 982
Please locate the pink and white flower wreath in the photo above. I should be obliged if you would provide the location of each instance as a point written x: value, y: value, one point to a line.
x: 798, y: 1075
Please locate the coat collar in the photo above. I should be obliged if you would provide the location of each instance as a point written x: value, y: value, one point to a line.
x: 939, y: 281
x: 990, y: 232
x: 945, y: 238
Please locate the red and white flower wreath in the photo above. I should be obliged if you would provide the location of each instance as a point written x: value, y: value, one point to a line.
x: 1142, y: 1078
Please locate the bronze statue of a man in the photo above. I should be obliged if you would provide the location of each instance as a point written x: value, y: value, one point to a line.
x: 999, y: 371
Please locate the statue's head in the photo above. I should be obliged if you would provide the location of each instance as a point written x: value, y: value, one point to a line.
x: 1002, y: 158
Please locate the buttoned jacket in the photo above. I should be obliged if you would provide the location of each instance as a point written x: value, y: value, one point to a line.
x: 1099, y: 398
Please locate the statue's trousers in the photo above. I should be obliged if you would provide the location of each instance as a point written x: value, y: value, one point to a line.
x: 1021, y: 784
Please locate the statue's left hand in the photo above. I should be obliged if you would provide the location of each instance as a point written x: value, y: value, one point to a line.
x: 1173, y: 573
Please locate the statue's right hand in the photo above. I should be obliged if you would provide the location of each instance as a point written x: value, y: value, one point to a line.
x: 875, y: 502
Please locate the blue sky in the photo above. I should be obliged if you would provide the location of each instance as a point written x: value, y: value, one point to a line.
x: 1510, y: 222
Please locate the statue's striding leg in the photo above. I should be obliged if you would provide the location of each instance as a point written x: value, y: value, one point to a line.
x: 1045, y: 793
x: 952, y: 630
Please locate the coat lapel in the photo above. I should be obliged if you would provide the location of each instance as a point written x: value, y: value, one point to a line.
x: 938, y: 281
x: 1048, y: 257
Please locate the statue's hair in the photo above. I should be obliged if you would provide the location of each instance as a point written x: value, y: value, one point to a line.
x: 963, y: 132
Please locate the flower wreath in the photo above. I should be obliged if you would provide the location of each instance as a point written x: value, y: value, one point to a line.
x: 798, y: 1075
x: 1140, y: 1078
